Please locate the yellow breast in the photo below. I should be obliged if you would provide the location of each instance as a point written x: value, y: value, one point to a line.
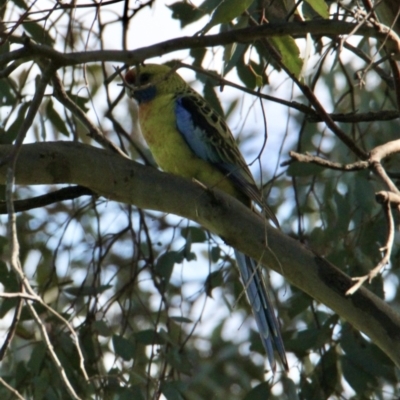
x: 170, y: 150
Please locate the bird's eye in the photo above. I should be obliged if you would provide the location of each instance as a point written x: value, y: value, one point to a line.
x: 144, y: 78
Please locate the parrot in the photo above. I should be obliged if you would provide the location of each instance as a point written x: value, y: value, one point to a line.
x: 187, y: 137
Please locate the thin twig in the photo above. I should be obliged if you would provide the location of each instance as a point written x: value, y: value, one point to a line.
x: 13, y: 327
x: 375, y: 67
x: 52, y: 352
x: 31, y: 114
x: 386, y: 249
x: 67, y: 193
x: 94, y: 132
x: 387, y: 199
x: 319, y: 109
x: 377, y: 154
x: 352, y: 117
x: 15, y: 262
x: 36, y: 298
x: 224, y: 82
x: 396, y: 79
x: 308, y: 158
x: 11, y: 389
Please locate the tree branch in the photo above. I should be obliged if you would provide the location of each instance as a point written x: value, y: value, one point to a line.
x: 246, y: 35
x: 67, y: 193
x: 116, y: 178
x: 323, y: 162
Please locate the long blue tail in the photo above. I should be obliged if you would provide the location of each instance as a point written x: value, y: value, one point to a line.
x: 263, y: 311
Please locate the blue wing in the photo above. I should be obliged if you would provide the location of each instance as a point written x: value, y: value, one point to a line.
x: 208, y: 136
x: 210, y: 139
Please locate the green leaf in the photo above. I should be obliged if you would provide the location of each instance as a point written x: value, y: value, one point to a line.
x: 259, y: 392
x: 10, y: 282
x: 198, y: 55
x: 149, y: 337
x: 37, y: 357
x: 325, y: 332
x: 80, y: 101
x: 197, y: 235
x: 55, y: 119
x: 4, y: 47
x: 179, y: 361
x: 320, y: 7
x: 11, y: 133
x: 252, y: 74
x: 328, y: 372
x: 259, y: 80
x: 304, y: 169
x: 133, y: 392
x: 188, y: 245
x: 190, y: 256
x: 229, y: 50
x: 123, y: 347
x: 37, y: 33
x: 102, y: 328
x: 356, y: 377
x: 303, y: 342
x: 21, y: 4
x: 215, y: 253
x: 89, y: 344
x: 171, y: 390
x: 298, y: 303
x: 181, y: 319
x: 226, y: 12
x: 7, y: 96
x: 186, y: 13
x: 208, y: 6
x: 364, y: 192
x: 87, y: 290
x: 237, y: 56
x: 343, y: 214
x: 137, y: 393
x: 308, y: 389
x: 40, y: 386
x: 290, y: 388
x: 7, y: 278
x: 245, y: 75
x: 215, y: 279
x: 290, y: 54
x: 21, y: 373
x: 365, y: 356
x: 166, y: 262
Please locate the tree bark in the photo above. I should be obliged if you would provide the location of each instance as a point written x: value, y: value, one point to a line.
x: 122, y: 180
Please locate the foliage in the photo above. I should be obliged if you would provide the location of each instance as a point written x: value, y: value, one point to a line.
x: 154, y: 301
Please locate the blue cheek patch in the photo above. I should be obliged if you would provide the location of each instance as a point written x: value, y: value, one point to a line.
x: 145, y: 95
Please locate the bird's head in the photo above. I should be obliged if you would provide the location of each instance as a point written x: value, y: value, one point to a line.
x: 151, y: 80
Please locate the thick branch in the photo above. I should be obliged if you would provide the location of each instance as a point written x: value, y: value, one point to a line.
x: 122, y: 180
x: 246, y: 35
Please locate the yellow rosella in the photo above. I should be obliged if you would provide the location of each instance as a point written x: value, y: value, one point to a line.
x: 188, y: 138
